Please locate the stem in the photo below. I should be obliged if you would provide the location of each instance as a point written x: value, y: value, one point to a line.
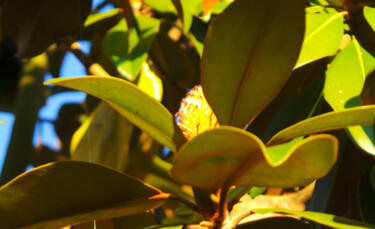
x: 28, y: 102
x: 188, y: 203
x: 223, y: 208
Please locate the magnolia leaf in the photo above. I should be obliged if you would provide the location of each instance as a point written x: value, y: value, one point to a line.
x: 96, y: 18
x: 369, y: 13
x: 324, y: 32
x: 163, y: 6
x: 322, y: 218
x: 232, y: 156
x: 345, y: 79
x: 219, y: 7
x: 237, y: 78
x: 140, y: 109
x: 150, y: 83
x: 129, y: 52
x: 104, y: 139
x: 334, y: 120
x: 71, y: 192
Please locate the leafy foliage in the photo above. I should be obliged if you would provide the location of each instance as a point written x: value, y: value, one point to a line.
x: 235, y: 142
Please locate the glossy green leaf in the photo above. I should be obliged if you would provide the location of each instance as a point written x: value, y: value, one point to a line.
x: 70, y: 192
x: 150, y: 83
x: 324, y: 32
x: 140, y: 109
x: 129, y: 52
x: 163, y: 6
x: 369, y: 13
x: 345, y: 79
x: 326, y: 122
x: 33, y: 28
x: 104, y: 139
x: 232, y: 156
x: 292, y: 164
x: 322, y: 218
x: 237, y: 78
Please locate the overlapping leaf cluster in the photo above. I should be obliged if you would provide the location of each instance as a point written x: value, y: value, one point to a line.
x: 265, y: 69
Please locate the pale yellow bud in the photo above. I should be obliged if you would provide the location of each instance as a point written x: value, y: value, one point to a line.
x: 195, y: 115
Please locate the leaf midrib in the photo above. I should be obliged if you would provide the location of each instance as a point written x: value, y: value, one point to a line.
x: 254, y: 51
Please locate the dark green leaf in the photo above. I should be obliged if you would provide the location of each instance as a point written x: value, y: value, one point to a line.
x: 37, y: 24
x: 135, y: 105
x: 70, y: 192
x: 241, y: 72
x: 322, y: 218
x: 335, y: 120
x: 178, y: 64
x: 232, y: 156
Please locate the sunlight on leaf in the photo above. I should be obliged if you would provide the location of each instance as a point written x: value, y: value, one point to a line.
x: 369, y: 13
x: 343, y: 86
x: 139, y: 108
x: 324, y: 32
x: 150, y: 83
x: 237, y: 79
x: 129, y: 52
x: 232, y: 156
x: 359, y: 116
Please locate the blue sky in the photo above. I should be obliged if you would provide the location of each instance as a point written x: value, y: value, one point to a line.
x: 44, y: 131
